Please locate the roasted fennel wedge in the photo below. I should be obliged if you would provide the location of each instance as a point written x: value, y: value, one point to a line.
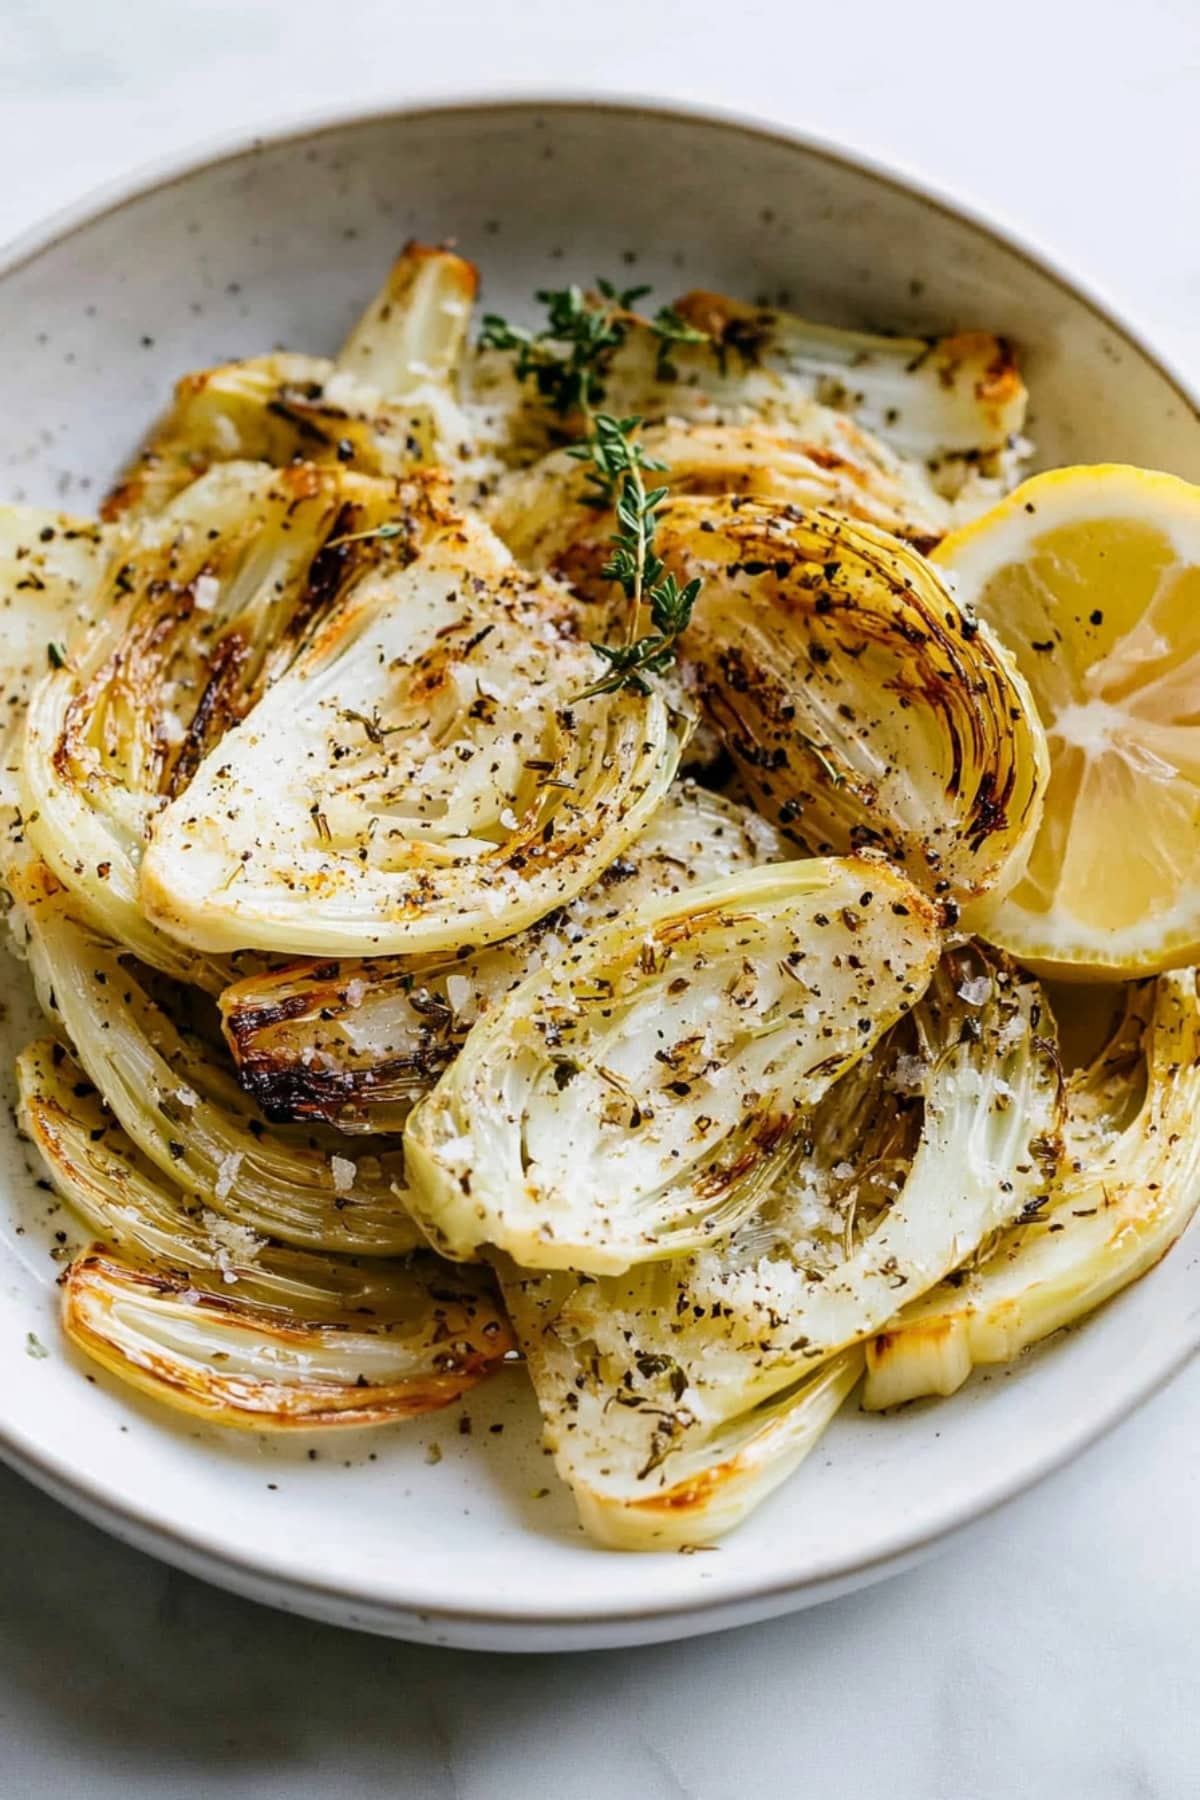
x: 426, y: 775
x: 210, y: 1317
x: 386, y: 406
x: 1129, y: 1184
x: 633, y: 1100
x: 198, y: 610
x: 179, y: 1102
x: 548, y: 516
x: 953, y: 408
x: 48, y: 567
x: 676, y: 1396
x: 234, y: 1363
x: 955, y: 405
x: 49, y: 562
x: 357, y: 1042
x: 862, y: 708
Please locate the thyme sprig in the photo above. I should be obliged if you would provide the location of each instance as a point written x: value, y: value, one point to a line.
x: 569, y: 357
x: 568, y: 361
x: 617, y: 477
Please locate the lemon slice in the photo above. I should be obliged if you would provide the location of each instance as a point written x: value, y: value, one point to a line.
x: 1092, y: 578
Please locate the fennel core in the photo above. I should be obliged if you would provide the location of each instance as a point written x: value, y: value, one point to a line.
x: 567, y: 360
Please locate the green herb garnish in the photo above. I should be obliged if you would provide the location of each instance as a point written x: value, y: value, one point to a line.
x: 569, y: 357
x: 568, y: 361
x: 617, y: 475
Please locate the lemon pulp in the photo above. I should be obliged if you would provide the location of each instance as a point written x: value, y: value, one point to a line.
x: 1092, y: 579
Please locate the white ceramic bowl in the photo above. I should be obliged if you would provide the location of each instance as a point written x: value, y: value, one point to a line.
x: 281, y: 241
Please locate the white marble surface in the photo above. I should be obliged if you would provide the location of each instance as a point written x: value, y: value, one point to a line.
x: 1053, y: 1655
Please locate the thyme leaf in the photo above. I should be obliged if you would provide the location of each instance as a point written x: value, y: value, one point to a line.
x: 382, y: 532
x: 669, y: 328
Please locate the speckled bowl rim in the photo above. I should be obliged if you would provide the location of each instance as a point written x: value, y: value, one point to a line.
x: 275, y: 1580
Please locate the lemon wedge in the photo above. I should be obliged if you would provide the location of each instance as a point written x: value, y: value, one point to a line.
x: 1091, y: 576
